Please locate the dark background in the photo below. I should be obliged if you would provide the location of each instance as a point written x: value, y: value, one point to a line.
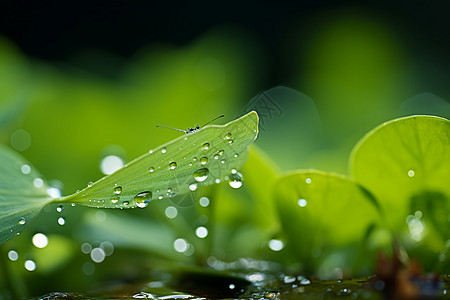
x: 59, y: 31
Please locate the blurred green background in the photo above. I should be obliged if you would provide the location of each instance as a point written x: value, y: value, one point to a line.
x: 81, y: 83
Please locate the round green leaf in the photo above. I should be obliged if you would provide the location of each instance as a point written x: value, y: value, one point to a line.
x: 321, y: 212
x: 406, y: 162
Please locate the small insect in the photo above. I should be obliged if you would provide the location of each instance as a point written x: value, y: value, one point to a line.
x: 191, y: 130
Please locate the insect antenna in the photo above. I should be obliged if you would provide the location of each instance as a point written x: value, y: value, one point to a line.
x: 171, y: 128
x: 221, y: 116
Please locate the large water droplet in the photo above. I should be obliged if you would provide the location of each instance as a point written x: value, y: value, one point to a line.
x: 205, y: 146
x: 117, y: 190
x: 173, y: 165
x: 143, y: 199
x: 22, y: 221
x: 228, y: 136
x: 235, y: 180
x: 201, y: 174
x: 203, y: 161
x: 40, y: 240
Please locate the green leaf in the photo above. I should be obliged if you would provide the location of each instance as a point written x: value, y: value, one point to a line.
x: 23, y: 193
x: 404, y: 162
x: 191, y: 161
x: 320, y: 212
x: 177, y: 168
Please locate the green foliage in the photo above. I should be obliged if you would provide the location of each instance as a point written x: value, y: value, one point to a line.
x: 320, y: 212
x: 176, y: 169
x: 403, y: 159
x: 23, y: 193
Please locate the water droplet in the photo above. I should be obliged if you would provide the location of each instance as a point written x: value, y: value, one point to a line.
x: 228, y: 136
x: 190, y: 164
x: 171, y: 212
x: 289, y: 279
x: 40, y: 240
x: 38, y: 182
x: 125, y: 203
x: 203, y: 160
x: 25, y: 169
x: 231, y: 286
x: 13, y: 255
x: 143, y: 199
x: 217, y: 180
x: 117, y: 190
x: 151, y: 169
x: 302, y: 202
x: 150, y: 151
x: 411, y: 173
x: 30, y: 265
x: 61, y: 221
x: 115, y: 200
x: 193, y: 187
x: 230, y: 142
x: 160, y: 197
x: 276, y: 245
x: 194, y: 159
x: 235, y: 180
x: 204, y: 201
x: 236, y: 155
x: 216, y: 156
x: 110, y: 164
x: 163, y: 150
x: 205, y: 146
x: 173, y: 165
x: 98, y: 255
x: 305, y: 281
x: 201, y: 232
x: 308, y: 180
x: 60, y: 208
x: 201, y: 174
x: 90, y: 183
x: 223, y: 161
x: 233, y: 171
x: 22, y: 221
x: 180, y: 245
